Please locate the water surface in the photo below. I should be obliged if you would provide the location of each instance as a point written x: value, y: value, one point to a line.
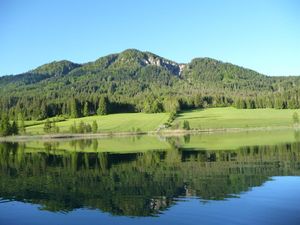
x: 240, y: 178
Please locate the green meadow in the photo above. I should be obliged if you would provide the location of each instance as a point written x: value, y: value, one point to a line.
x: 123, y: 122
x: 212, y: 118
x: 230, y: 117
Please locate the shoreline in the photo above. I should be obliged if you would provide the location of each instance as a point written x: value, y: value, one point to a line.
x: 165, y: 133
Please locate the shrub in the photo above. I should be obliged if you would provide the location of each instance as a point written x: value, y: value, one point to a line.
x: 186, y: 125
x: 81, y: 128
x: 95, y: 127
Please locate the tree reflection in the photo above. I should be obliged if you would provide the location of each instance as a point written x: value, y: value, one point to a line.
x: 136, y: 184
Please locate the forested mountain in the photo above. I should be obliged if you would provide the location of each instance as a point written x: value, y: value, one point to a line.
x: 140, y: 81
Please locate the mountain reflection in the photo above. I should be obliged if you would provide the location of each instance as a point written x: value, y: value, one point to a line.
x: 136, y: 184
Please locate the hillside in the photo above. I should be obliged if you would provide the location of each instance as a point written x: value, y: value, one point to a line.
x: 137, y: 81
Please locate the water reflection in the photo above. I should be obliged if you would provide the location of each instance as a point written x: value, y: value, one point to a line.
x: 135, y: 184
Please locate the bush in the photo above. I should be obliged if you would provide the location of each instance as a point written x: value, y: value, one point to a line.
x: 95, y: 127
x: 50, y: 127
x: 81, y: 128
x: 186, y: 125
x: 73, y: 128
x: 172, y: 116
x: 88, y: 128
x: 47, y: 126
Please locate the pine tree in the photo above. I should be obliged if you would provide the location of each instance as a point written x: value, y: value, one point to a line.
x: 43, y: 112
x: 198, y: 101
x: 22, y: 128
x: 103, y: 107
x: 14, y: 128
x: 171, y: 105
x: 86, y: 111
x: 74, y: 109
x: 87, y: 128
x: 81, y: 127
x: 47, y: 126
x: 54, y: 128
x: 5, y: 127
x: 94, y: 127
x: 186, y: 125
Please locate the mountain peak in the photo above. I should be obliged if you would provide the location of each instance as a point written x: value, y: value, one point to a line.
x: 149, y: 59
x: 56, y: 68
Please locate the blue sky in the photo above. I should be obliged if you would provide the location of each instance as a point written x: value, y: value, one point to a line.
x: 263, y: 35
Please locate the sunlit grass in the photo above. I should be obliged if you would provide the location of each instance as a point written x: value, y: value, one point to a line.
x: 212, y: 118
x: 236, y: 118
x: 123, y: 122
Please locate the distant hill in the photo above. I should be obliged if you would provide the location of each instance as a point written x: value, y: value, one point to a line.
x: 141, y: 81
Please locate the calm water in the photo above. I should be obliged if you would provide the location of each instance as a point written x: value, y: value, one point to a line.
x: 249, y: 178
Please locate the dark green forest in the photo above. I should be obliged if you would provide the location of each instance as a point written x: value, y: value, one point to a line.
x: 135, y: 81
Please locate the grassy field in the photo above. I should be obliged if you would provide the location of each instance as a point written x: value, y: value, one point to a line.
x: 236, y: 118
x: 123, y: 122
x: 212, y: 118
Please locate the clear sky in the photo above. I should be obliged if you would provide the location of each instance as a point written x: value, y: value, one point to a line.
x: 263, y: 35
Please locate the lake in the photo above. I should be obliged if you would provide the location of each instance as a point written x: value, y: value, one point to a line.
x: 223, y: 178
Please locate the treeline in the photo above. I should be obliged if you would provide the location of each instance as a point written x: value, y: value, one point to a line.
x: 278, y: 101
x: 76, y: 107
x: 8, y: 128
